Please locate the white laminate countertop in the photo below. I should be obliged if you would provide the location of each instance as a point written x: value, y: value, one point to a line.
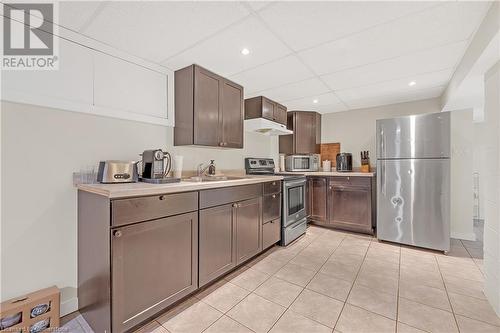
x: 116, y: 191
x: 333, y: 173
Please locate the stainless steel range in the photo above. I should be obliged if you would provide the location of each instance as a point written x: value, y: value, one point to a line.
x: 293, y: 217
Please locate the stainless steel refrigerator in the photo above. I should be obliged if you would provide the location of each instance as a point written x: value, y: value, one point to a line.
x: 413, y: 180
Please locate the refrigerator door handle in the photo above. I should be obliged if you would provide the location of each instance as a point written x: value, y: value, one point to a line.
x: 382, y: 177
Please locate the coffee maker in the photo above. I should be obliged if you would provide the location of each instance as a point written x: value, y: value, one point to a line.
x: 156, y: 165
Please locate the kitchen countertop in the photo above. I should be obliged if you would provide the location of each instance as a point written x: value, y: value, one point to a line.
x: 115, y: 191
x: 333, y: 173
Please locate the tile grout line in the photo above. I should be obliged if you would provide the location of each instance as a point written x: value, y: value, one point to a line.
x: 308, y: 283
x: 252, y: 292
x: 447, y: 294
x: 352, y: 285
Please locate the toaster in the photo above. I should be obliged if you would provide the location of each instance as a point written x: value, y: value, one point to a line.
x: 117, y: 172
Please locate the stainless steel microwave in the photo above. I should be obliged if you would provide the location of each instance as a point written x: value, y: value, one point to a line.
x: 302, y: 162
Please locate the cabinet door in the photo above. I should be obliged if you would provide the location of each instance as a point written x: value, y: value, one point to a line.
x: 248, y: 229
x: 232, y: 115
x: 271, y: 233
x: 349, y: 207
x: 318, y: 199
x: 207, y: 99
x: 154, y: 264
x: 305, y: 133
x: 280, y: 114
x: 217, y: 242
x: 271, y: 207
x: 268, y: 108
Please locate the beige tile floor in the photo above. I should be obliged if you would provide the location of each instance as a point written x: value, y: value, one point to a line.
x: 330, y: 281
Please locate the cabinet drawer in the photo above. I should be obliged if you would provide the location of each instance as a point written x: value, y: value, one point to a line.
x: 271, y: 207
x: 272, y: 187
x: 221, y: 196
x: 125, y: 211
x: 271, y: 233
x: 351, y: 180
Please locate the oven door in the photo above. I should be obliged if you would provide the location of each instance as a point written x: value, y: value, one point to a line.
x: 294, y: 201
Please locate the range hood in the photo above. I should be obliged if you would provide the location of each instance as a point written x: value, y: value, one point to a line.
x: 266, y: 127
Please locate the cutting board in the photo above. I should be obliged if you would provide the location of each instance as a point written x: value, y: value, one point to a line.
x: 329, y: 151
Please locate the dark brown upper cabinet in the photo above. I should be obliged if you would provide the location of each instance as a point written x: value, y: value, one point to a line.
x: 306, y: 137
x: 262, y: 107
x: 208, y: 109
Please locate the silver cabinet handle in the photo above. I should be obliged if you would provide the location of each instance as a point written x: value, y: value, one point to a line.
x: 161, y: 197
x: 274, y: 196
x: 117, y: 233
x: 235, y: 205
x: 274, y: 183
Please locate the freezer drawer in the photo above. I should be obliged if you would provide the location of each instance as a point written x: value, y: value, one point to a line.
x: 422, y: 136
x: 414, y: 202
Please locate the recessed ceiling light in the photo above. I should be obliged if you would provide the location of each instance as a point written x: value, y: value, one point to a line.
x: 315, y: 101
x: 412, y: 83
x: 245, y: 51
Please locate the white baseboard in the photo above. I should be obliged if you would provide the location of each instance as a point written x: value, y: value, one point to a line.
x: 68, y: 306
x: 470, y: 236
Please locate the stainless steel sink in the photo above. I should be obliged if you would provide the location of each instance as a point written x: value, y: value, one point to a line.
x: 211, y: 178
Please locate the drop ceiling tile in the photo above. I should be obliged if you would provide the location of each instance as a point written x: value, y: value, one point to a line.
x: 309, y: 87
x: 158, y: 30
x: 409, y: 66
x: 75, y: 14
x: 396, y: 86
x: 258, y: 5
x: 396, y: 98
x: 307, y: 103
x: 304, y: 24
x: 450, y: 22
x: 221, y: 53
x: 274, y: 74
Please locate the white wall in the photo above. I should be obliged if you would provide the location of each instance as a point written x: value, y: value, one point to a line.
x: 40, y: 149
x: 462, y: 200
x: 355, y: 130
x: 488, y: 142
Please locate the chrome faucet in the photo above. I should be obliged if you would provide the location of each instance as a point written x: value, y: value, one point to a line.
x: 210, y: 167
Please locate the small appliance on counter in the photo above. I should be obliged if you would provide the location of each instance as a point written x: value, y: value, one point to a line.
x: 344, y: 162
x: 156, y: 165
x: 302, y: 162
x: 117, y: 172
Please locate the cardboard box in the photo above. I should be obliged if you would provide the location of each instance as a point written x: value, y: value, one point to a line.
x: 26, y: 313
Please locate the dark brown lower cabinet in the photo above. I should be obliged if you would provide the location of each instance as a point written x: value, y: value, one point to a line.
x: 217, y: 242
x: 248, y: 229
x: 271, y: 207
x: 153, y: 265
x: 318, y: 199
x: 271, y: 233
x: 229, y: 235
x: 343, y: 202
x: 349, y: 207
